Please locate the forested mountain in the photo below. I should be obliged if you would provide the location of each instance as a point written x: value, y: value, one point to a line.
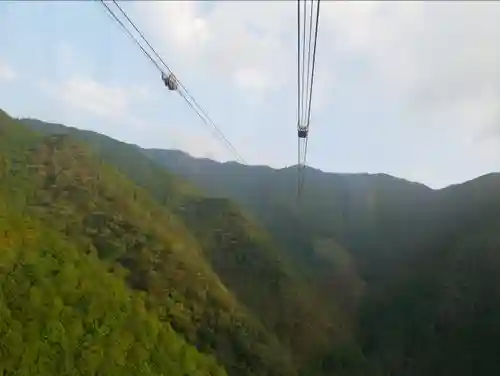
x: 65, y: 308
x: 117, y: 259
x: 249, y: 263
x: 430, y: 259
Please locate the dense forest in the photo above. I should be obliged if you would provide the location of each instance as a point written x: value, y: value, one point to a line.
x: 118, y: 260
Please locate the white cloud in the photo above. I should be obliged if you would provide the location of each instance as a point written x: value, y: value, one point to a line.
x: 6, y: 72
x: 197, y: 144
x: 90, y: 96
x: 94, y: 97
x: 433, y: 55
x: 243, y: 41
x: 442, y: 59
x: 251, y: 78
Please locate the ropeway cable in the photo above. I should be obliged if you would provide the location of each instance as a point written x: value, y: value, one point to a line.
x: 184, y: 92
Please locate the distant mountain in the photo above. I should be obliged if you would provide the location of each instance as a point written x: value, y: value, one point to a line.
x: 429, y: 258
x: 365, y: 274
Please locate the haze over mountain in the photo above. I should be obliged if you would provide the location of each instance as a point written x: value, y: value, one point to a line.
x: 160, y: 263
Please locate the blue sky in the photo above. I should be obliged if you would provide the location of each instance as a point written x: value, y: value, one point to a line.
x: 411, y: 89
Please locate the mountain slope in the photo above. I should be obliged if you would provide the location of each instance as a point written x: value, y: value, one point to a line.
x: 439, y: 314
x: 405, y: 276
x: 339, y: 206
x: 429, y: 258
x: 103, y: 214
x: 61, y: 311
x: 239, y: 251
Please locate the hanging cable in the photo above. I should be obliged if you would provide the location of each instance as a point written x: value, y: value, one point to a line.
x: 299, y: 98
x: 141, y: 35
x: 314, y: 60
x: 305, y: 73
x: 184, y: 92
x: 302, y: 92
x: 305, y: 77
x: 131, y: 36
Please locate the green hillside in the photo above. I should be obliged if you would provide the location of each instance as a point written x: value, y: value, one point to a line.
x: 250, y: 264
x: 365, y: 275
x: 205, y: 267
x: 428, y: 259
x: 62, y: 310
x: 101, y: 213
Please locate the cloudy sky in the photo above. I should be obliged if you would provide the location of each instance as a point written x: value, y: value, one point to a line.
x: 411, y: 89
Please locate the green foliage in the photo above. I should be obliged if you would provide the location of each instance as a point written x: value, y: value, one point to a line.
x: 260, y: 275
x: 95, y: 208
x: 419, y: 268
x: 365, y: 275
x: 277, y: 308
x: 63, y: 313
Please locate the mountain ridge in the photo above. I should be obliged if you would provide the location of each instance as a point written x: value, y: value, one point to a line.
x: 184, y: 154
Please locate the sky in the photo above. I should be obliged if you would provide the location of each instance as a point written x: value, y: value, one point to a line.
x: 410, y: 89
